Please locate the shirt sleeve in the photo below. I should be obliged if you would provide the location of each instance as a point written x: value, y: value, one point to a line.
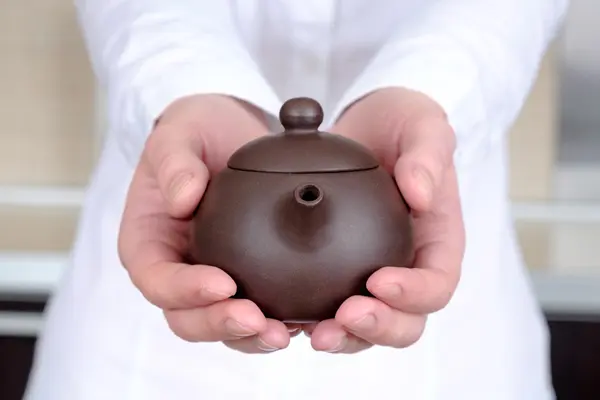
x: 477, y: 58
x: 149, y: 53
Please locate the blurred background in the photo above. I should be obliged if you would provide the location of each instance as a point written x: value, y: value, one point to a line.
x: 52, y: 125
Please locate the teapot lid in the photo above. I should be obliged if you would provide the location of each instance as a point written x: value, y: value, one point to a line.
x: 301, y: 147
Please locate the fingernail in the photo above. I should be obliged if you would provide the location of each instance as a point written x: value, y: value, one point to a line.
x: 389, y: 290
x: 340, y: 346
x: 237, y: 329
x: 264, y: 346
x: 367, y: 322
x: 424, y: 183
x: 218, y: 293
x: 293, y: 330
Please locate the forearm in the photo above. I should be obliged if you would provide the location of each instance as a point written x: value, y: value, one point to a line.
x: 148, y: 53
x: 476, y: 58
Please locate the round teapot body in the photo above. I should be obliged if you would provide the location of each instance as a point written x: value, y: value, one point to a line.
x: 299, y: 245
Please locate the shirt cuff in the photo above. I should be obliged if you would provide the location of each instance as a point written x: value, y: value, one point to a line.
x: 442, y: 71
x: 225, y: 80
x: 145, y: 104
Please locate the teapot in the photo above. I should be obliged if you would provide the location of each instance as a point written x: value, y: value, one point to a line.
x: 300, y: 219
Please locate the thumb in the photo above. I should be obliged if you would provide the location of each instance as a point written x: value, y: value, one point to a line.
x: 194, y: 137
x: 426, y: 147
x: 173, y: 155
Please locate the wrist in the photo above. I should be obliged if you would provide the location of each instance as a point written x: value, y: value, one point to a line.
x: 195, y: 109
x: 387, y: 111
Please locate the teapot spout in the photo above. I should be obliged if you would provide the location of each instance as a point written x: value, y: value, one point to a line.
x: 308, y: 195
x: 303, y: 218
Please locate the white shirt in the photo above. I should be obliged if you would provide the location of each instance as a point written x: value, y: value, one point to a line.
x: 477, y: 58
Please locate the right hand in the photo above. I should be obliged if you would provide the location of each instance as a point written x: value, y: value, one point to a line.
x: 192, y: 140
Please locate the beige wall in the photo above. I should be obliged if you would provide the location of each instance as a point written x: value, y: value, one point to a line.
x: 47, y: 115
x: 37, y: 229
x: 46, y: 103
x: 532, y: 161
x: 47, y: 111
x: 533, y: 137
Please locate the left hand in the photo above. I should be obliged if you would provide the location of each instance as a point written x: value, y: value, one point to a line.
x: 410, y: 135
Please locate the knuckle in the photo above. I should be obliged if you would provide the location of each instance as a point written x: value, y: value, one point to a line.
x: 167, y: 164
x: 416, y: 332
x: 168, y: 167
x: 149, y: 290
x: 445, y: 132
x: 192, y: 295
x: 238, y: 306
x: 196, y: 290
x: 430, y: 290
x: 150, y: 287
x: 446, y: 287
x: 181, y: 326
x: 416, y: 290
x: 410, y: 333
x: 438, y: 139
x: 154, y: 145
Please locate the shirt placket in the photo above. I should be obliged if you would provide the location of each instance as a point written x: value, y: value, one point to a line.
x: 311, y: 34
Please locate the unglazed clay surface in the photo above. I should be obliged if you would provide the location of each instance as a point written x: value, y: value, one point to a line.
x: 299, y: 242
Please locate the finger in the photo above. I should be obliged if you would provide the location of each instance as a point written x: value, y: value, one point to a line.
x: 151, y: 247
x: 294, y: 329
x: 173, y: 153
x: 413, y: 290
x: 331, y: 337
x: 378, y: 323
x: 426, y: 147
x: 309, y: 328
x: 275, y: 337
x: 226, y: 320
x: 182, y: 286
x: 439, y: 242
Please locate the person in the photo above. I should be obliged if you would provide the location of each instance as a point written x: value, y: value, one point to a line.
x: 431, y: 87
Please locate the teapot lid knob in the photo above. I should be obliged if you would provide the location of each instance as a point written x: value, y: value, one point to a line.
x: 301, y: 114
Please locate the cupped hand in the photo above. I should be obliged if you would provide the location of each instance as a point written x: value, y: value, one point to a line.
x: 412, y: 138
x: 192, y: 140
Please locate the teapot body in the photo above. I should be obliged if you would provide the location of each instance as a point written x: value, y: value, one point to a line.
x: 299, y: 245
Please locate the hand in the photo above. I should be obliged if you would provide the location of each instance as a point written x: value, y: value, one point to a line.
x: 193, y: 139
x: 412, y: 138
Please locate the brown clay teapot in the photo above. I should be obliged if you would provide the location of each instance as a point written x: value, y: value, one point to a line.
x: 301, y: 219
